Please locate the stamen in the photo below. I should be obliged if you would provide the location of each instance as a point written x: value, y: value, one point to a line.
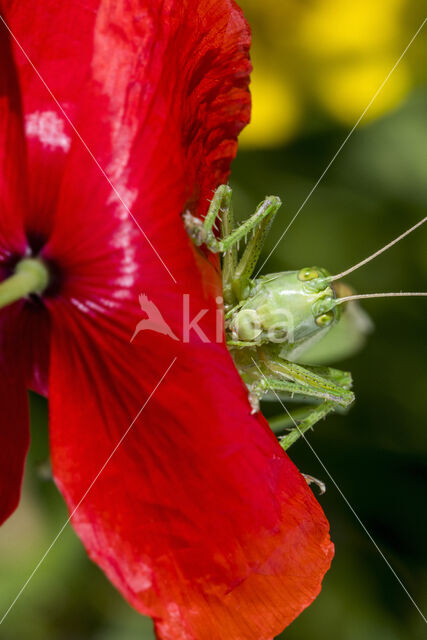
x: 31, y: 276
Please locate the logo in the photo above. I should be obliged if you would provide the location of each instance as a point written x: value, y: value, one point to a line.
x: 154, y: 321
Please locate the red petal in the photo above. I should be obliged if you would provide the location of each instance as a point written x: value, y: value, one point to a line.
x: 24, y: 327
x: 14, y: 432
x: 13, y: 175
x: 44, y: 46
x: 14, y: 435
x: 128, y: 69
x: 198, y: 517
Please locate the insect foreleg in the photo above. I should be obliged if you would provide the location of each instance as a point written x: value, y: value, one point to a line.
x: 221, y: 202
x: 272, y: 373
x: 267, y: 208
x: 202, y: 231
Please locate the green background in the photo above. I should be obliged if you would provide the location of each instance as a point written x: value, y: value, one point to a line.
x: 376, y: 453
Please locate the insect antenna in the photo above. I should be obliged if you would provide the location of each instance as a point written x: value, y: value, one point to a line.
x: 377, y: 253
x: 398, y: 294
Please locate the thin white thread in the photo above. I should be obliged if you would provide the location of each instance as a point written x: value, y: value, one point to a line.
x: 86, y: 147
x: 341, y: 146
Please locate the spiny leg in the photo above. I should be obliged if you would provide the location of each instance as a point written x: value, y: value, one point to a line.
x: 268, y: 382
x: 336, y: 377
x: 272, y: 373
x: 268, y: 207
x: 245, y: 268
x: 299, y: 427
x: 300, y: 420
x: 202, y: 231
x: 220, y: 203
x: 286, y: 421
x: 229, y: 263
x: 323, y: 382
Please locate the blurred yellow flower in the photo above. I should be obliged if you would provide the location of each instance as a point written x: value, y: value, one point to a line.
x: 345, y: 92
x: 275, y: 110
x: 328, y: 56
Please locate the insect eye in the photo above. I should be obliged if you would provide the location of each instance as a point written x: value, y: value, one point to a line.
x: 325, y: 319
x: 308, y: 273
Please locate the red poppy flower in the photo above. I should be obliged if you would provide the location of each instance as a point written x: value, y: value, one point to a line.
x: 198, y: 517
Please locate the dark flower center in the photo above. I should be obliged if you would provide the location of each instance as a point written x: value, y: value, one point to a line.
x: 36, y: 242
x: 31, y: 276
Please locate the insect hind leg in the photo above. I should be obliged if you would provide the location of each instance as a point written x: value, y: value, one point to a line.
x: 298, y: 427
x: 246, y: 266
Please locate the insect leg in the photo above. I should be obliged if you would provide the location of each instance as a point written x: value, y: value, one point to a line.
x: 312, y: 480
x: 221, y: 202
x: 230, y: 256
x: 202, y: 231
x: 269, y: 382
x: 321, y: 382
x: 300, y: 426
x: 267, y: 208
x: 341, y: 378
x: 276, y: 374
x: 235, y: 277
x: 298, y: 421
x: 286, y: 421
x: 245, y: 268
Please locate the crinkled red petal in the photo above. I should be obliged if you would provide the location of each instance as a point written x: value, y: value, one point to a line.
x: 197, y: 516
x: 182, y: 497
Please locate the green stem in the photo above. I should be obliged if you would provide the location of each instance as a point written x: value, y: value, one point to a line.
x: 31, y: 276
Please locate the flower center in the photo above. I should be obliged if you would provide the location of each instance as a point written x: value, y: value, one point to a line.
x: 31, y: 276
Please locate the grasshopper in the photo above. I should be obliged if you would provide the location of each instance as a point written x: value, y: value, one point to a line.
x: 275, y: 324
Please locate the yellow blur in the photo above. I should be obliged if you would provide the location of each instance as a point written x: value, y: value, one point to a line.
x: 322, y: 59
